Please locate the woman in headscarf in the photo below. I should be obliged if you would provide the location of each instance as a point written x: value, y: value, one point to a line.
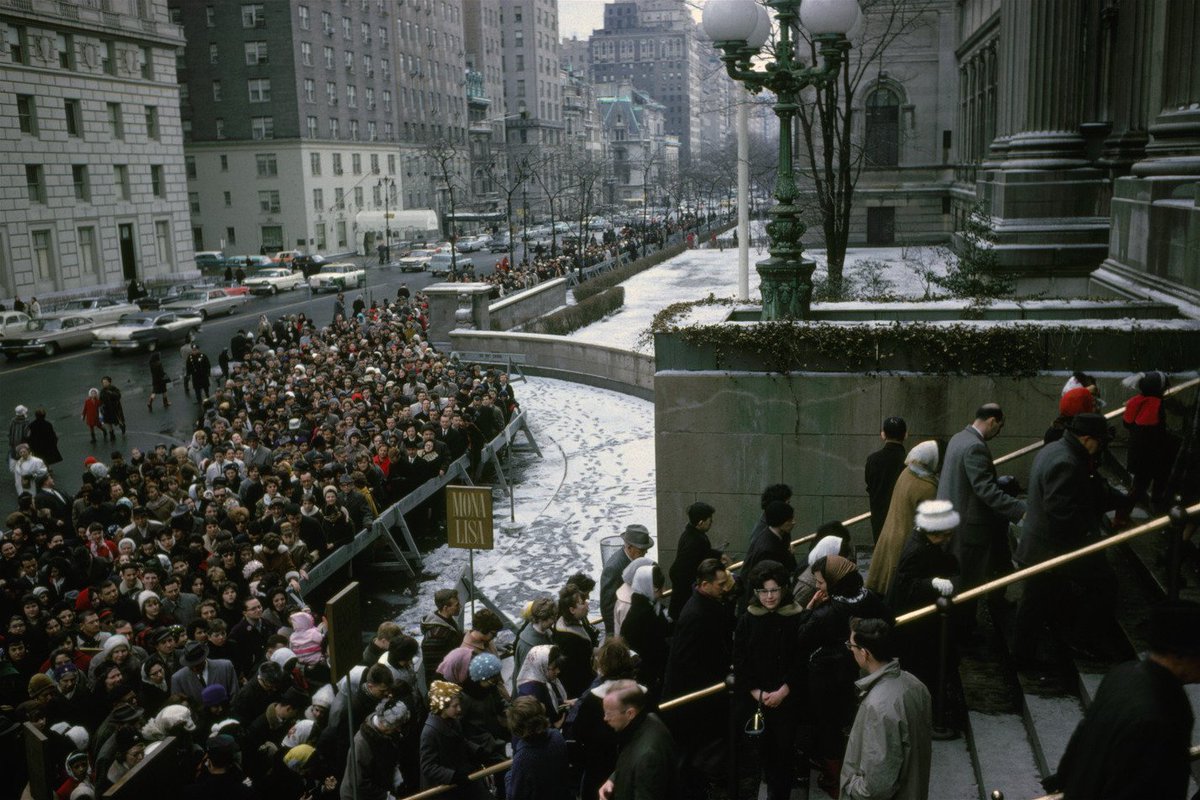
x: 917, y: 483
x: 539, y: 679
x: 646, y: 627
x: 447, y: 756
x: 576, y: 640
x: 625, y: 593
x: 833, y: 539
x: 824, y: 628
x: 153, y: 689
x: 769, y: 673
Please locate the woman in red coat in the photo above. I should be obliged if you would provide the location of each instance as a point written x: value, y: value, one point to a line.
x: 91, y: 412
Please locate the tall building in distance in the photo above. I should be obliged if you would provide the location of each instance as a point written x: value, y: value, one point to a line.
x: 93, y: 160
x: 290, y: 122
x: 485, y: 97
x: 654, y: 45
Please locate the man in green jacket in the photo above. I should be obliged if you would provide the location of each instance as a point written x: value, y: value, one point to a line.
x: 645, y: 767
x: 889, y: 750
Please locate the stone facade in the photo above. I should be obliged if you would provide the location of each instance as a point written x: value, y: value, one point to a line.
x: 92, y: 172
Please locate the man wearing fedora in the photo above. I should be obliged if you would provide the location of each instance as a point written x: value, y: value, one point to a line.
x: 1066, y: 502
x: 637, y: 542
x: 199, y: 671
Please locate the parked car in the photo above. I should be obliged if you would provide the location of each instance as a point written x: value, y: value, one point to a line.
x: 274, y: 281
x: 101, y: 310
x: 471, y: 244
x: 159, y: 298
x: 249, y: 262
x: 207, y: 302
x: 284, y: 258
x: 415, y: 260
x: 337, y: 277
x: 308, y: 265
x: 210, y: 260
x: 12, y: 321
x: 498, y: 244
x: 49, y: 335
x: 440, y: 264
x: 148, y: 331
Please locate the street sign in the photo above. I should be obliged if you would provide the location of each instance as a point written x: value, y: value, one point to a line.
x: 469, y: 517
x: 345, y: 633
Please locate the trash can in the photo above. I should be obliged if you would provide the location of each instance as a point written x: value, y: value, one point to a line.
x: 608, y: 546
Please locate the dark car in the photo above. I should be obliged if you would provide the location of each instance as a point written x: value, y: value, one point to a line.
x: 148, y: 331
x: 308, y: 264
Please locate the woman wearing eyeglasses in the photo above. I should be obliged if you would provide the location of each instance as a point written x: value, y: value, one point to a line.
x: 770, y: 673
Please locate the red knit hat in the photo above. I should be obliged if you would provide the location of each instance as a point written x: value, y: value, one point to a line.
x: 87, y: 462
x: 1075, y: 402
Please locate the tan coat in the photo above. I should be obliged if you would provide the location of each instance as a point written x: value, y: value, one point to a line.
x: 911, y: 490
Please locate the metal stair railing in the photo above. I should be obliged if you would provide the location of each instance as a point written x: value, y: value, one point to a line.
x: 1193, y: 754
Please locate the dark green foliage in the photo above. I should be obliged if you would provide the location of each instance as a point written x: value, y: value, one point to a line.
x: 585, y: 312
x: 974, y: 272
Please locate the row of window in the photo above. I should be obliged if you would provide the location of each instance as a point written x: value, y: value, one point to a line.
x: 34, y: 112
x: 339, y: 198
x: 348, y: 61
x: 37, y: 188
x: 67, y: 52
x: 45, y: 250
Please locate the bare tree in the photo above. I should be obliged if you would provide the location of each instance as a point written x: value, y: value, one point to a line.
x: 833, y: 152
x: 548, y: 174
x: 509, y: 173
x: 583, y: 171
x: 447, y: 156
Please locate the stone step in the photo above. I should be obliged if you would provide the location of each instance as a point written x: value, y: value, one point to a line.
x: 1004, y: 759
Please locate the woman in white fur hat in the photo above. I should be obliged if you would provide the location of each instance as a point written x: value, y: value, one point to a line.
x: 916, y: 484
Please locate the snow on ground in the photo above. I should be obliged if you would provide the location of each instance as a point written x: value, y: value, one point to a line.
x: 695, y: 274
x: 596, y: 477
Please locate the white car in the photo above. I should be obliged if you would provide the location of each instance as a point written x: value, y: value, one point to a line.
x: 148, y: 330
x: 12, y: 321
x: 102, y: 310
x: 337, y: 277
x: 274, y: 280
x: 415, y: 260
x: 207, y: 302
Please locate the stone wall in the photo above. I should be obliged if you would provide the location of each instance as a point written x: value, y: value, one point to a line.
x: 517, y: 309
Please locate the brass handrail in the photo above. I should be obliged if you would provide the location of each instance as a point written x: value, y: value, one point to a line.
x: 1193, y: 754
x: 916, y: 614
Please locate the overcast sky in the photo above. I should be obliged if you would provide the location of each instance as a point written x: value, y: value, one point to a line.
x: 579, y: 17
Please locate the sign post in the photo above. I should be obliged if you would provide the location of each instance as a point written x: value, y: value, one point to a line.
x: 345, y: 646
x: 469, y: 524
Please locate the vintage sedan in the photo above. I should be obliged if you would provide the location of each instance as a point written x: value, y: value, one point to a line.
x: 148, y: 331
x: 12, y: 321
x: 274, y: 281
x: 207, y: 302
x: 48, y: 336
x: 337, y: 277
x: 415, y: 260
x: 101, y: 310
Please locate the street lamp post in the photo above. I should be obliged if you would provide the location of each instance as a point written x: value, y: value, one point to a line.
x: 739, y: 29
x: 385, y: 185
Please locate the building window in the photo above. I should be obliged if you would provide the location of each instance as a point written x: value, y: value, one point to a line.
x: 386, y: 94
x: 198, y: 238
x: 318, y: 200
x: 312, y: 128
x: 115, y: 123
x: 306, y: 54
x: 184, y: 94
x: 162, y: 242
x: 224, y: 163
x: 304, y: 21
x: 268, y: 202
x: 266, y: 165
x: 365, y: 31
x: 327, y: 22
x: 310, y: 90
x: 194, y: 202
x: 383, y: 36
x: 157, y: 188
x: 341, y: 234
x: 314, y: 163
x: 14, y: 37
x: 391, y: 164
x: 376, y: 196
x: 89, y: 261
x: 217, y: 96
x: 882, y: 141
x: 214, y: 54
x: 260, y: 90
x: 230, y: 236
x: 385, y: 67
x: 227, y: 197
x: 253, y: 16
x: 374, y: 163
x: 79, y: 177
x: 348, y: 59
x: 108, y: 58
x: 152, y: 122
x: 337, y: 163
x: 331, y: 93
x: 262, y: 128
x: 121, y: 179
x: 27, y: 114
x: 352, y: 97
x: 358, y: 197
x: 356, y: 163
x: 64, y: 44
x: 210, y: 16
x: 256, y: 53
x: 272, y: 237
x: 354, y: 129
x: 328, y: 57
x: 189, y: 166
x: 35, y: 183
x: 320, y: 231
x: 43, y: 254
x: 335, y: 130
x: 339, y: 199
x: 346, y: 29
x: 147, y: 59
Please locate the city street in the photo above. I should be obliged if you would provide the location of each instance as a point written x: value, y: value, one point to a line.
x: 59, y: 384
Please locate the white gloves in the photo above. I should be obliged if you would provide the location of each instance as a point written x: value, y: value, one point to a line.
x: 942, y: 586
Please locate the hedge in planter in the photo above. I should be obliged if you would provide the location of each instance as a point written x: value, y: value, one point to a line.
x: 572, y: 318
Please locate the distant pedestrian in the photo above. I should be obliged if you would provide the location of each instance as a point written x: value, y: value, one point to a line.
x: 890, y: 745
x: 199, y: 368
x: 112, y: 412
x: 91, y: 412
x: 240, y: 275
x: 228, y: 273
x: 42, y: 438
x: 18, y: 431
x: 35, y: 308
x: 883, y: 468
x: 158, y: 382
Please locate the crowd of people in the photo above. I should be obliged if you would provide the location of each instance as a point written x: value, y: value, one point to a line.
x: 162, y: 600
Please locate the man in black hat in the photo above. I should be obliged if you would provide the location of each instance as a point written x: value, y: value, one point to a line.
x: 221, y: 776
x: 636, y: 543
x: 1133, y: 741
x: 1066, y: 502
x: 199, y: 670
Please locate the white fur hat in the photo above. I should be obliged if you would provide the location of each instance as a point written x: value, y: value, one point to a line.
x: 937, y: 515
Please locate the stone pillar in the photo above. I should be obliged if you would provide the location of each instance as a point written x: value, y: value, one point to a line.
x: 1174, y: 148
x: 1130, y: 85
x: 1048, y: 203
x: 444, y: 303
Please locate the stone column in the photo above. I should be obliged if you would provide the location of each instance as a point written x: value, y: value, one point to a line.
x: 1174, y: 148
x: 1130, y: 85
x: 1014, y: 29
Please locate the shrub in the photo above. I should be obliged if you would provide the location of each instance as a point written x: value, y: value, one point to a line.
x: 572, y: 318
x: 975, y: 273
x: 626, y: 271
